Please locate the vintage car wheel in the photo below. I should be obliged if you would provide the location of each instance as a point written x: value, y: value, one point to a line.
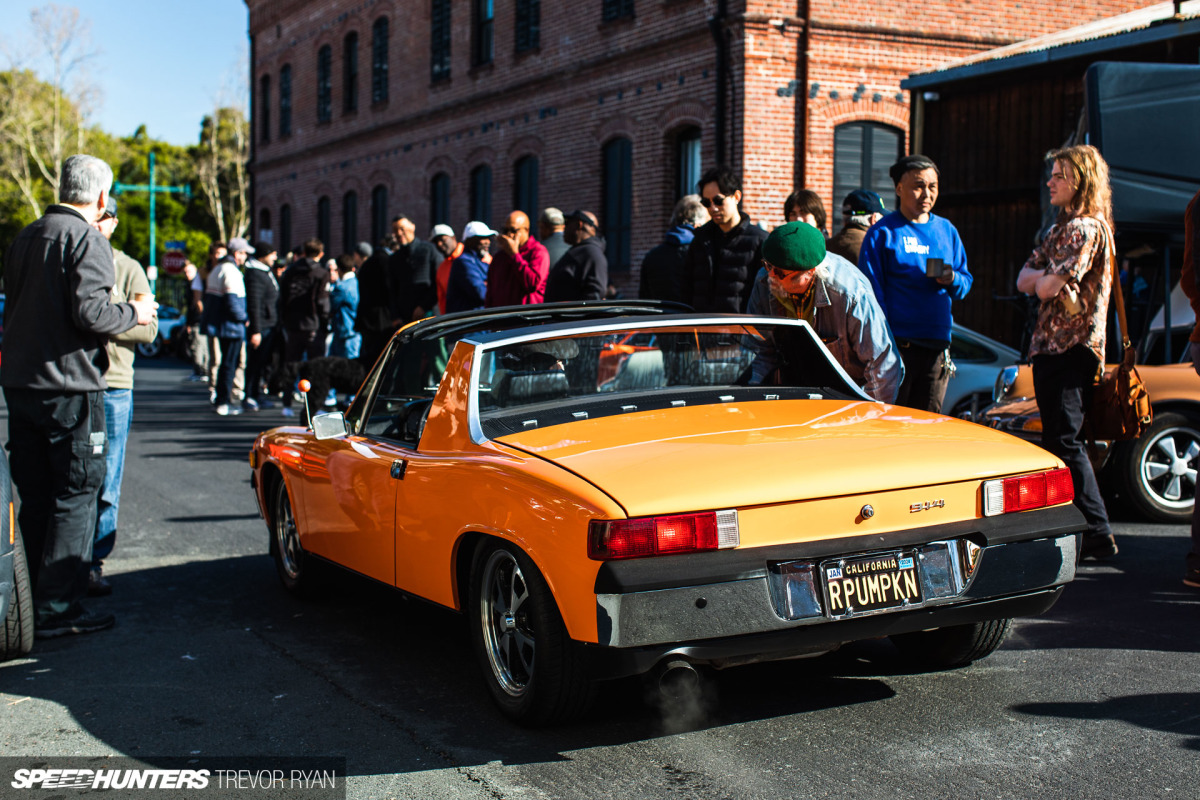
x: 531, y: 668
x: 150, y: 349
x: 18, y: 625
x: 1158, y: 469
x: 956, y: 646
x: 291, y: 562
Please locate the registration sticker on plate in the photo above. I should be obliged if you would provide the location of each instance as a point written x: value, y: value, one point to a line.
x: 870, y: 584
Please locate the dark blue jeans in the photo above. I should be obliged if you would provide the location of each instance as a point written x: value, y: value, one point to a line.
x: 258, y: 361
x: 57, y: 444
x: 1063, y: 384
x: 118, y: 413
x: 231, y: 354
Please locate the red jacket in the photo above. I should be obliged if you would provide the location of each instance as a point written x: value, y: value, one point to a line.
x: 443, y: 277
x: 518, y: 279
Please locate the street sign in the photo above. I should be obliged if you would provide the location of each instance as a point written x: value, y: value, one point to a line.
x: 174, y: 257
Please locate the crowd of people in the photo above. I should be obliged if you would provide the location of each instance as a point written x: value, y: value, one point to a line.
x: 879, y: 293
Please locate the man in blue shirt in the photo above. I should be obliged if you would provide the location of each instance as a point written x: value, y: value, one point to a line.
x: 917, y: 267
x: 467, y: 287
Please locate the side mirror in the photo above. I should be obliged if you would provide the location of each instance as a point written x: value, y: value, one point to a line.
x: 329, y: 426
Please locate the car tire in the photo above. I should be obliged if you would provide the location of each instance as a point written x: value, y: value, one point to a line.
x: 955, y: 646
x: 17, y: 640
x: 150, y: 349
x: 1157, y: 470
x: 297, y: 570
x: 532, y: 668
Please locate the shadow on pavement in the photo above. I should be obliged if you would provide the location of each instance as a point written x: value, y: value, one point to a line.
x: 1173, y: 712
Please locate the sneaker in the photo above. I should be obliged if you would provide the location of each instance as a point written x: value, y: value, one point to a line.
x: 195, y: 379
x: 84, y: 622
x: 250, y: 404
x: 264, y: 403
x: 287, y: 412
x: 1192, y: 578
x: 98, y: 585
x: 1099, y: 548
x: 226, y: 410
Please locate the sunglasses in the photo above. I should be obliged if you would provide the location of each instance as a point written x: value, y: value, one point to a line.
x: 780, y: 274
x: 717, y: 200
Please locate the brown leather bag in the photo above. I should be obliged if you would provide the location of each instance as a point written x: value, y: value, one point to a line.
x: 1120, y: 407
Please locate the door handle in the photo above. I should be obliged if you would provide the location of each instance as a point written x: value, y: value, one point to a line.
x: 398, y: 468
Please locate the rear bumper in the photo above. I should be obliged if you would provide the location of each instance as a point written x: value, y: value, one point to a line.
x: 731, y: 608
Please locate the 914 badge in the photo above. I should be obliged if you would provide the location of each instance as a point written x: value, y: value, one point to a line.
x: 928, y: 504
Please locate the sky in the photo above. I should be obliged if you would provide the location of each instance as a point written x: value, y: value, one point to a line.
x: 161, y: 63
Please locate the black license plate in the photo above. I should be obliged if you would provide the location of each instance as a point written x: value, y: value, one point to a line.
x: 870, y: 584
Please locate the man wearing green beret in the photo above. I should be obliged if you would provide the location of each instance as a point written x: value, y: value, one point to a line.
x: 799, y: 280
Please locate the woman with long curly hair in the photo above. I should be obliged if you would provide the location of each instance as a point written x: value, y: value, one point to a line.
x: 1071, y: 274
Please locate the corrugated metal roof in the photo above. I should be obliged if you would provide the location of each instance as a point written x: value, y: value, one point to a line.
x: 1036, y: 50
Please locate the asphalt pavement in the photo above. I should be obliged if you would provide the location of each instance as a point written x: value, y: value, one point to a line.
x: 211, y: 657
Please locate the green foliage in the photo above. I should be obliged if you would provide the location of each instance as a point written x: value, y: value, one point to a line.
x: 178, y: 217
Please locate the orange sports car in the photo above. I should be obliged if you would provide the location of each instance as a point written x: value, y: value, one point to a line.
x: 671, y: 518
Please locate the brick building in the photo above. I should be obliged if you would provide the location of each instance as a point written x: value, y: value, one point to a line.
x: 449, y: 110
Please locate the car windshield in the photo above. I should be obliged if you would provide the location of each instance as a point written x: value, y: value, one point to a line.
x: 550, y: 381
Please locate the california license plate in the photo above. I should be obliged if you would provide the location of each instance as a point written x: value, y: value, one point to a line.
x: 871, y: 584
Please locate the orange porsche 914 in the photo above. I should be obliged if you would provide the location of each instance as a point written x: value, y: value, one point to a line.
x: 669, y: 517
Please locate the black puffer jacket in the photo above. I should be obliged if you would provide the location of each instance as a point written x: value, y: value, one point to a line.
x: 304, y: 296
x: 721, y: 267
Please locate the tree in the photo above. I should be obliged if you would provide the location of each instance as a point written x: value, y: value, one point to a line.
x: 41, y: 120
x: 220, y: 161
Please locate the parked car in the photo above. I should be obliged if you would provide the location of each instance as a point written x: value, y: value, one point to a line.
x: 978, y: 361
x: 668, y: 519
x: 1155, y: 473
x: 169, y: 320
x: 16, y: 594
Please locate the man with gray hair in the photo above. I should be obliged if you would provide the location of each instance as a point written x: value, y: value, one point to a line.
x: 59, y: 277
x: 550, y: 233
x: 664, y: 268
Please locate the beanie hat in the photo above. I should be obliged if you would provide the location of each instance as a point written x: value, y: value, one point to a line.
x: 794, y: 246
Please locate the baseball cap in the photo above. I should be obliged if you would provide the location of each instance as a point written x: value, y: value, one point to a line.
x: 863, y: 202
x: 110, y: 208
x: 581, y: 216
x: 264, y: 248
x: 440, y: 230
x: 477, y: 228
x: 794, y: 246
x: 239, y: 245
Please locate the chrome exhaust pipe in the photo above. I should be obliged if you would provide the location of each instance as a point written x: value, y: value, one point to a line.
x: 678, y: 679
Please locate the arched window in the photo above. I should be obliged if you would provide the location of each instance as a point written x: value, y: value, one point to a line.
x: 525, y: 185
x: 439, y: 199
x: 481, y: 194
x: 615, y: 9
x: 285, y: 242
x: 618, y: 202
x: 379, y: 219
x: 285, y: 100
x: 687, y: 161
x: 264, y: 227
x: 349, y: 221
x: 264, y: 105
x: 379, y: 61
x: 350, y: 73
x: 323, y: 223
x: 325, y: 84
x: 862, y: 154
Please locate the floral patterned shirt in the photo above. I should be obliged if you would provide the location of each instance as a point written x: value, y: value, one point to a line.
x: 1078, y: 250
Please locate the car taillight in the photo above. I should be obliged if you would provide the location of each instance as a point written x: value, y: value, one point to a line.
x: 1025, y: 492
x: 660, y: 536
